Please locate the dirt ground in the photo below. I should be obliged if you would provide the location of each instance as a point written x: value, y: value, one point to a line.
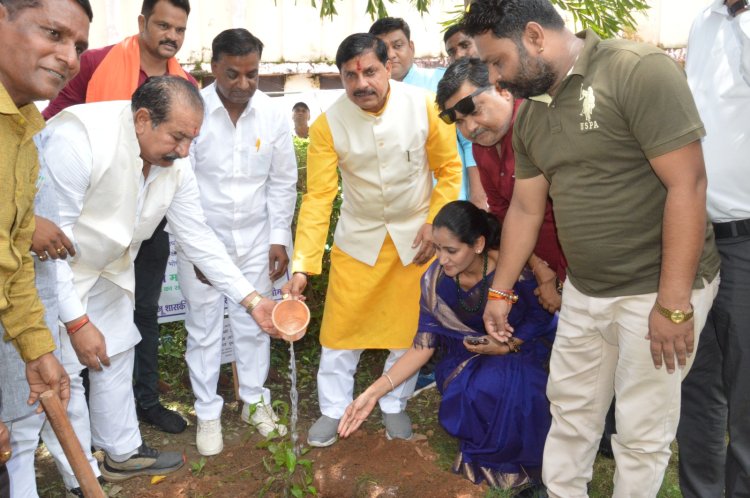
x: 364, y: 465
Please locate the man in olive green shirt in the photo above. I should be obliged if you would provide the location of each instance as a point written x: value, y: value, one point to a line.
x: 612, y: 134
x: 52, y: 33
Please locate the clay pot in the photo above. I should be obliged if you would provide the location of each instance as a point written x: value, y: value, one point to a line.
x: 291, y: 318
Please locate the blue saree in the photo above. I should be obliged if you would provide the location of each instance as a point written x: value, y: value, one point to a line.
x: 494, y: 405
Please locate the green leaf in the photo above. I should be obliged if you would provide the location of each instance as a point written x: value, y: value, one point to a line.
x: 291, y: 460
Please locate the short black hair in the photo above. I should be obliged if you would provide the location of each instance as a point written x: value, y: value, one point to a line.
x: 13, y: 6
x: 387, y: 24
x: 159, y: 93
x: 452, y: 30
x: 237, y: 41
x: 508, y: 18
x: 302, y: 105
x: 465, y: 69
x: 359, y: 43
x: 148, y: 6
x: 467, y: 222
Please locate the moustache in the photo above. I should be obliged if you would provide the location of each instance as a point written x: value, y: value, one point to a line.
x: 170, y: 158
x: 474, y: 134
x: 364, y: 93
x: 169, y: 42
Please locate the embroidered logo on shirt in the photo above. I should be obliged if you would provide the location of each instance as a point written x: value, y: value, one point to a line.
x: 587, y: 109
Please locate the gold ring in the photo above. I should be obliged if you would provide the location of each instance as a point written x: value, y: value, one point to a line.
x: 42, y: 257
x: 285, y: 296
x: 60, y: 250
x: 5, y: 456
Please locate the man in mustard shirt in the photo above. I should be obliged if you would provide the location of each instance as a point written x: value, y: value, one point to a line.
x: 386, y: 140
x: 53, y: 33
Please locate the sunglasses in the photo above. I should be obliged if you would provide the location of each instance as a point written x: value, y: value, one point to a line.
x: 464, y: 106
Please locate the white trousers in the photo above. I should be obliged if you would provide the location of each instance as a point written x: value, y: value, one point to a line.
x: 204, y: 323
x: 24, y: 438
x: 109, y: 421
x: 601, y: 350
x: 336, y: 382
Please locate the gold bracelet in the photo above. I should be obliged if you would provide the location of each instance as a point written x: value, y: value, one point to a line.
x: 389, y: 380
x: 253, y: 303
x: 508, y: 295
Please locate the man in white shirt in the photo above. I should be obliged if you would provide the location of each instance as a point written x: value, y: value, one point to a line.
x: 244, y: 162
x: 716, y: 392
x: 118, y: 171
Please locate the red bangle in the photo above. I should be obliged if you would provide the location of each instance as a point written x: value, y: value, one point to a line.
x: 78, y: 325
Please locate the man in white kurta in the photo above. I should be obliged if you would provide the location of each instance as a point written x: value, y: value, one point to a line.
x: 245, y: 166
x: 386, y: 140
x: 118, y: 172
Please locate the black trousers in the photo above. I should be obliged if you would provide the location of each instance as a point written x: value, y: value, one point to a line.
x: 716, y: 392
x: 4, y: 482
x: 150, y: 265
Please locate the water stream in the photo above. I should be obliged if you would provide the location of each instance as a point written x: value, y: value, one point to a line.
x: 294, y: 399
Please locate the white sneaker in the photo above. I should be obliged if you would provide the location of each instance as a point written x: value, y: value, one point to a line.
x: 264, y: 419
x: 208, y: 438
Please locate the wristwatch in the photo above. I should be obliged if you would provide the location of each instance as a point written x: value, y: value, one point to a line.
x: 676, y: 316
x: 253, y: 303
x: 738, y: 6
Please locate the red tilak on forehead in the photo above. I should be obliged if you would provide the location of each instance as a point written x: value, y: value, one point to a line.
x: 359, y: 65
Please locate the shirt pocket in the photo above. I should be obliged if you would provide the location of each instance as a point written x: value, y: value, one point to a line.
x: 257, y: 161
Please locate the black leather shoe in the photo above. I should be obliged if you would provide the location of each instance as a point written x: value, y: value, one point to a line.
x: 162, y: 418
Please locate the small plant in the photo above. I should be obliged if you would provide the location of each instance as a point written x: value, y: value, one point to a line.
x: 196, y: 468
x: 288, y: 472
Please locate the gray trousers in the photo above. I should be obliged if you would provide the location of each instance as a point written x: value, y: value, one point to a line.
x: 716, y: 392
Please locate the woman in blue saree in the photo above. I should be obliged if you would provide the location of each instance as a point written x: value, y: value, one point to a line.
x: 493, y: 394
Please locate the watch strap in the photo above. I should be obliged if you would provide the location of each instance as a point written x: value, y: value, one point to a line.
x: 667, y: 313
x: 253, y: 303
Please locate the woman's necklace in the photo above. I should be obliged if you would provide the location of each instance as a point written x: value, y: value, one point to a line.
x: 482, y: 294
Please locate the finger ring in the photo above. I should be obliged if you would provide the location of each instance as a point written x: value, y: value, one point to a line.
x: 285, y: 296
x: 60, y: 250
x: 42, y: 257
x: 5, y: 456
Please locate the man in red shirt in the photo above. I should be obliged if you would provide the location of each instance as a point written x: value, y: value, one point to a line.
x: 485, y: 115
x: 113, y: 73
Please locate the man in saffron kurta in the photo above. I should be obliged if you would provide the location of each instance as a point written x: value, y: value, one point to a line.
x: 113, y: 73
x: 386, y: 140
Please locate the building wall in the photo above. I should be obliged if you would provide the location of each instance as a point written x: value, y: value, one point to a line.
x: 292, y: 30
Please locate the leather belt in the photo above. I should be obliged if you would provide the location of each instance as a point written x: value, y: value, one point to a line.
x: 729, y: 229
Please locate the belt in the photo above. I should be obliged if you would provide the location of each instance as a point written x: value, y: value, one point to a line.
x: 729, y: 229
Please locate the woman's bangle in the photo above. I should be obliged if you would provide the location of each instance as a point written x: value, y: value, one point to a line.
x: 393, y: 387
x: 72, y: 329
x: 504, y: 294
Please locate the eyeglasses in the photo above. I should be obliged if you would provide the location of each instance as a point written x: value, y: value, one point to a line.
x: 464, y: 106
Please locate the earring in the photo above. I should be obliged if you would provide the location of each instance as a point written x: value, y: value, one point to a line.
x: 478, y: 251
x: 541, y: 49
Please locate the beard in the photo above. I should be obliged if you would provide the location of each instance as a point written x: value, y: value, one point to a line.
x: 535, y: 76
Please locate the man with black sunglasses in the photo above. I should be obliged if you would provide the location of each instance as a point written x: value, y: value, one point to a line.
x: 485, y: 116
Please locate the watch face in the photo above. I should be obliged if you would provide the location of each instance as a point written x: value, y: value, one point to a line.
x: 678, y: 316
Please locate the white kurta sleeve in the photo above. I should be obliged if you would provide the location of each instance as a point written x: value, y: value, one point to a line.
x: 66, y: 153
x: 200, y: 244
